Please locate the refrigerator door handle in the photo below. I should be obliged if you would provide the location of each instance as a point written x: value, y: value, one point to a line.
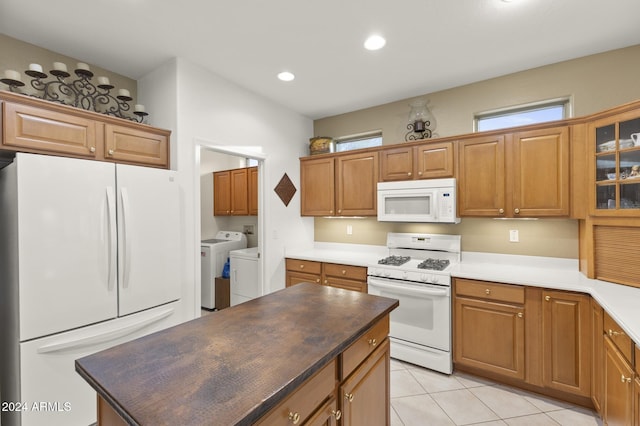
x: 127, y: 238
x: 104, y: 337
x: 112, y: 241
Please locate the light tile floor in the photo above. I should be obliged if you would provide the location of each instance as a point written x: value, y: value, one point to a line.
x: 424, y: 397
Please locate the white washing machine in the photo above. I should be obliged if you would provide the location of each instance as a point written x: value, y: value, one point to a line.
x: 213, y: 255
x: 245, y: 275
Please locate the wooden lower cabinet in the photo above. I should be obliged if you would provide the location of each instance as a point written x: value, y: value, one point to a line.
x: 489, y: 336
x: 365, y: 395
x: 618, y: 386
x: 597, y: 355
x: 525, y: 336
x: 566, y: 331
x: 636, y: 400
x: 351, y: 397
x: 347, y: 277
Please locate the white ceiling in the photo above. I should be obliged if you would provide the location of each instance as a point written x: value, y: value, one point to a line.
x: 431, y: 44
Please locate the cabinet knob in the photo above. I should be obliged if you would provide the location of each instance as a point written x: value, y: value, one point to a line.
x: 373, y: 342
x: 92, y: 149
x: 337, y: 414
x: 625, y: 379
x: 520, y: 315
x: 331, y: 211
x: 409, y: 174
x: 501, y: 211
x: 301, y: 266
x: 487, y: 292
x: 110, y: 152
x: 419, y: 173
x: 339, y: 211
x: 612, y: 333
x: 348, y: 397
x: 294, y: 417
x: 318, y: 280
x: 516, y: 211
x: 344, y: 272
x: 547, y: 298
x: 326, y: 281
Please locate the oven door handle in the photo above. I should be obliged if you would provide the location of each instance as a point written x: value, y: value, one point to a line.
x: 411, y: 291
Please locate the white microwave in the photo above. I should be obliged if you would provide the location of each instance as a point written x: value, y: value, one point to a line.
x: 429, y: 201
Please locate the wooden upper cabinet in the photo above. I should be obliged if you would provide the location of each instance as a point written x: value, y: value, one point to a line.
x: 239, y: 192
x: 222, y: 193
x: 42, y: 127
x: 344, y: 185
x: 522, y: 174
x: 253, y: 191
x: 540, y: 161
x: 356, y: 184
x: 432, y: 160
x: 481, y: 176
x: 566, y: 331
x: 136, y: 146
x: 317, y: 186
x: 32, y: 129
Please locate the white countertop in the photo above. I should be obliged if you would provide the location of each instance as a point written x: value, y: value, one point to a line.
x: 621, y: 302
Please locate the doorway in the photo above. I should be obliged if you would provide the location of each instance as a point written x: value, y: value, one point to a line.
x: 208, y: 159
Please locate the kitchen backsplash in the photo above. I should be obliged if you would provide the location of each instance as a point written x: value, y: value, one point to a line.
x: 543, y: 237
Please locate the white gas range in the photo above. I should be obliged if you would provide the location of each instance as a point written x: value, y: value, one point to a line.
x: 416, y: 272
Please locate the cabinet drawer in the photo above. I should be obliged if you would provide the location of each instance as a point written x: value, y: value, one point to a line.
x: 307, y: 266
x: 305, y: 399
x: 361, y: 348
x: 618, y: 337
x: 353, y: 285
x: 345, y: 271
x: 490, y: 291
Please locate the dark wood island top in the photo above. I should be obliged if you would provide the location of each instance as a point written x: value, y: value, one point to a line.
x: 231, y: 367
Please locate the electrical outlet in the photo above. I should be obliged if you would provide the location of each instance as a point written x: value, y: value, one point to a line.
x: 349, y: 230
x: 247, y: 229
x: 513, y: 236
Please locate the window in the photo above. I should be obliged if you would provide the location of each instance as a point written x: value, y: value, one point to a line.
x: 539, y: 112
x: 362, y: 140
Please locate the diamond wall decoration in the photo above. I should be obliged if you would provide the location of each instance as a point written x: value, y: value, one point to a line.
x: 285, y: 189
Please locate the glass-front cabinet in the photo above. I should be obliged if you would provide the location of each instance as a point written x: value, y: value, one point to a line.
x: 617, y: 165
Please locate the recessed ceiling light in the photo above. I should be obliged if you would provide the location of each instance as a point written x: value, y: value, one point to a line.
x: 286, y: 76
x: 375, y: 42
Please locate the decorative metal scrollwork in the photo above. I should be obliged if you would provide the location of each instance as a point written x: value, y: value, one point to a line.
x: 79, y: 93
x: 413, y: 135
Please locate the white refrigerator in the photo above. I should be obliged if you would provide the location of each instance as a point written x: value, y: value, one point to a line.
x: 89, y: 256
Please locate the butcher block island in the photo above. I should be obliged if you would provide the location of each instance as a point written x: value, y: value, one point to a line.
x: 308, y: 354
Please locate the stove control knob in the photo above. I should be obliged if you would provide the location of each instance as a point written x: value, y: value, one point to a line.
x: 387, y: 274
x: 424, y: 278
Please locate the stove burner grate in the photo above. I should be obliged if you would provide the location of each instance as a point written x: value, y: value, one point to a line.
x: 434, y: 264
x: 394, y: 260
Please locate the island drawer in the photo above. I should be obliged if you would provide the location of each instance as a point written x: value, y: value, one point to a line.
x: 307, y: 266
x: 362, y: 348
x: 345, y: 271
x: 618, y: 337
x: 298, y: 406
x: 490, y: 291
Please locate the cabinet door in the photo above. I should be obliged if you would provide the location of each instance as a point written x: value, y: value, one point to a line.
x: 618, y: 387
x: 239, y: 192
x: 221, y: 193
x: 28, y: 128
x: 597, y: 355
x: 253, y: 191
x: 327, y: 415
x: 396, y: 164
x: 356, y: 184
x: 136, y: 146
x: 636, y: 399
x: 365, y: 395
x: 317, y: 187
x: 566, y: 336
x: 434, y: 160
x: 540, y: 161
x: 481, y: 176
x: 489, y: 336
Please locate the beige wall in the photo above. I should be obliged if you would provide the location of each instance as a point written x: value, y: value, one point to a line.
x: 17, y: 55
x: 593, y: 83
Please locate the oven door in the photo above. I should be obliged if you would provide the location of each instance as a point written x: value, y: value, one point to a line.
x: 424, y: 314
